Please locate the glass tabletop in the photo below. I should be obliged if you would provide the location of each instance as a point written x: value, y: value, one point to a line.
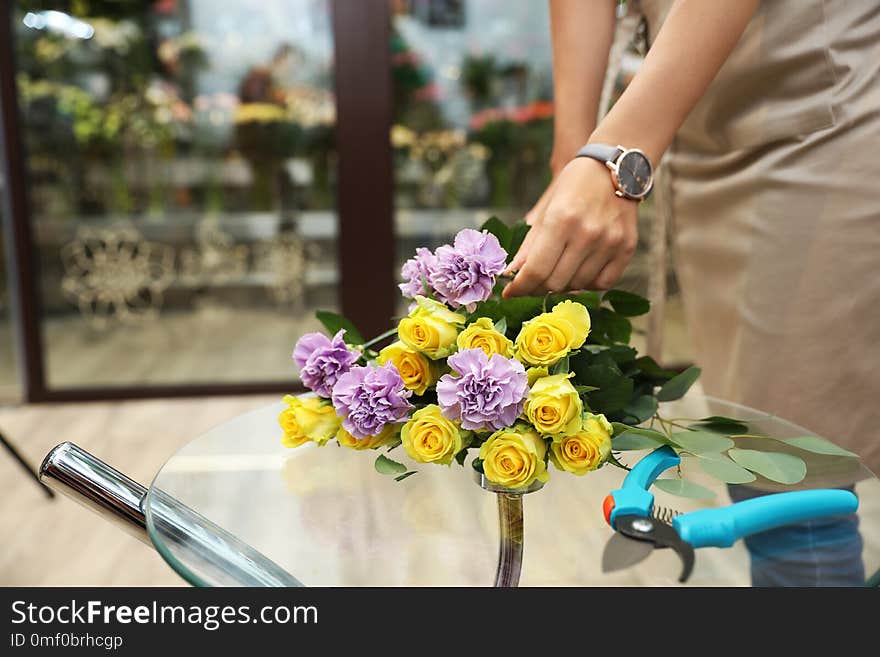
x: 234, y: 507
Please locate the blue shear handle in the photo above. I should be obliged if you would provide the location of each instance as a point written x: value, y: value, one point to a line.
x: 722, y: 527
x: 646, y: 471
x: 633, y: 497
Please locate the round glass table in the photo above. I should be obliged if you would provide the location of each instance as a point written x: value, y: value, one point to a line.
x: 235, y: 508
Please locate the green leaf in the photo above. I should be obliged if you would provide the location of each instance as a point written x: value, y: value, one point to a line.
x: 782, y: 468
x: 641, y: 408
x: 613, y: 460
x: 632, y: 440
x: 699, y: 442
x: 586, y: 299
x: 720, y: 424
x: 678, y: 385
x: 609, y: 327
x: 724, y: 469
x: 818, y: 445
x: 614, y: 389
x: 627, y: 303
x: 397, y: 443
x: 621, y: 428
x: 515, y: 310
x: 405, y: 475
x: 385, y: 465
x: 561, y: 366
x: 477, y: 464
x: 499, y: 229
x: 501, y: 325
x: 333, y: 322
x: 619, y: 353
x: 652, y: 370
x: 461, y: 456
x: 518, y: 233
x: 684, y: 488
x: 584, y: 389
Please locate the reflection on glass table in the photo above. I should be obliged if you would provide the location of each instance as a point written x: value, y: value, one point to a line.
x: 324, y: 516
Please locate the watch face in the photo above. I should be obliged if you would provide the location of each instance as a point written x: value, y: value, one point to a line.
x: 634, y: 174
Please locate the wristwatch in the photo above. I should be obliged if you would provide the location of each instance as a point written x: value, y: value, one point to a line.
x: 631, y: 170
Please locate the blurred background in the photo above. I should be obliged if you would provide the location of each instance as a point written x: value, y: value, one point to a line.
x: 177, y: 200
x: 181, y: 179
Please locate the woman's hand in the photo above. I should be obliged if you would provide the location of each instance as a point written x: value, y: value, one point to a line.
x: 582, y: 236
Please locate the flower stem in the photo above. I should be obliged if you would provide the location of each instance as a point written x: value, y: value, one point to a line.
x: 380, y: 337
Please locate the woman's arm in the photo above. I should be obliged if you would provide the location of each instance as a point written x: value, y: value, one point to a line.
x: 586, y: 235
x: 582, y: 34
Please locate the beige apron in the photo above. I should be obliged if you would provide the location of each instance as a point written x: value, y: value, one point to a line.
x: 775, y: 199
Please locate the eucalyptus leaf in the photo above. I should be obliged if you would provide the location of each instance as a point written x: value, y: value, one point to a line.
x: 631, y: 440
x: 724, y: 469
x: 678, y: 385
x: 333, y: 322
x: 698, y: 442
x: 725, y: 426
x: 782, y: 468
x: 818, y: 445
x: 627, y: 303
x: 641, y: 408
x: 684, y: 488
x: 501, y: 325
x: 405, y: 475
x: 384, y: 465
x: 621, y: 428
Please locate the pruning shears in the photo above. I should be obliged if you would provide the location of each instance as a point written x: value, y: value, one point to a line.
x: 640, y: 527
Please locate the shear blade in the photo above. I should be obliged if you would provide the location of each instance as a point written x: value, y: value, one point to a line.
x: 658, y: 535
x: 623, y: 552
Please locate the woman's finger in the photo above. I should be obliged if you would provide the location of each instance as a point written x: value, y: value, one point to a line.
x: 589, y: 269
x: 543, y: 256
x: 521, y: 255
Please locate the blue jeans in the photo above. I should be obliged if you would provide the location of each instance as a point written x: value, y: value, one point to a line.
x: 823, y: 552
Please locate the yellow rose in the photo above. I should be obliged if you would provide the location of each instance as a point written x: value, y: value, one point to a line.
x: 307, y: 419
x: 386, y: 436
x: 554, y: 406
x: 535, y: 373
x: 429, y: 437
x: 584, y: 450
x: 481, y: 334
x: 514, y: 458
x: 431, y: 328
x: 551, y: 336
x: 417, y: 371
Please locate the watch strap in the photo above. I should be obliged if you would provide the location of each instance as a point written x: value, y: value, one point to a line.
x: 601, y: 152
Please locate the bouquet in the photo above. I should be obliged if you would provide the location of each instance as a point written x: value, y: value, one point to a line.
x: 527, y: 385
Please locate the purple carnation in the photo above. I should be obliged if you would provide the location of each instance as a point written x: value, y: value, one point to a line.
x: 488, y: 394
x: 416, y: 272
x: 322, y: 361
x: 464, y: 274
x: 368, y: 398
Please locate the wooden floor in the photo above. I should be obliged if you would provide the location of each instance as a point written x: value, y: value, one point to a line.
x: 54, y: 542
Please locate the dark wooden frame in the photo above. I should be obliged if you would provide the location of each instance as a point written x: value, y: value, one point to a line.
x: 365, y: 201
